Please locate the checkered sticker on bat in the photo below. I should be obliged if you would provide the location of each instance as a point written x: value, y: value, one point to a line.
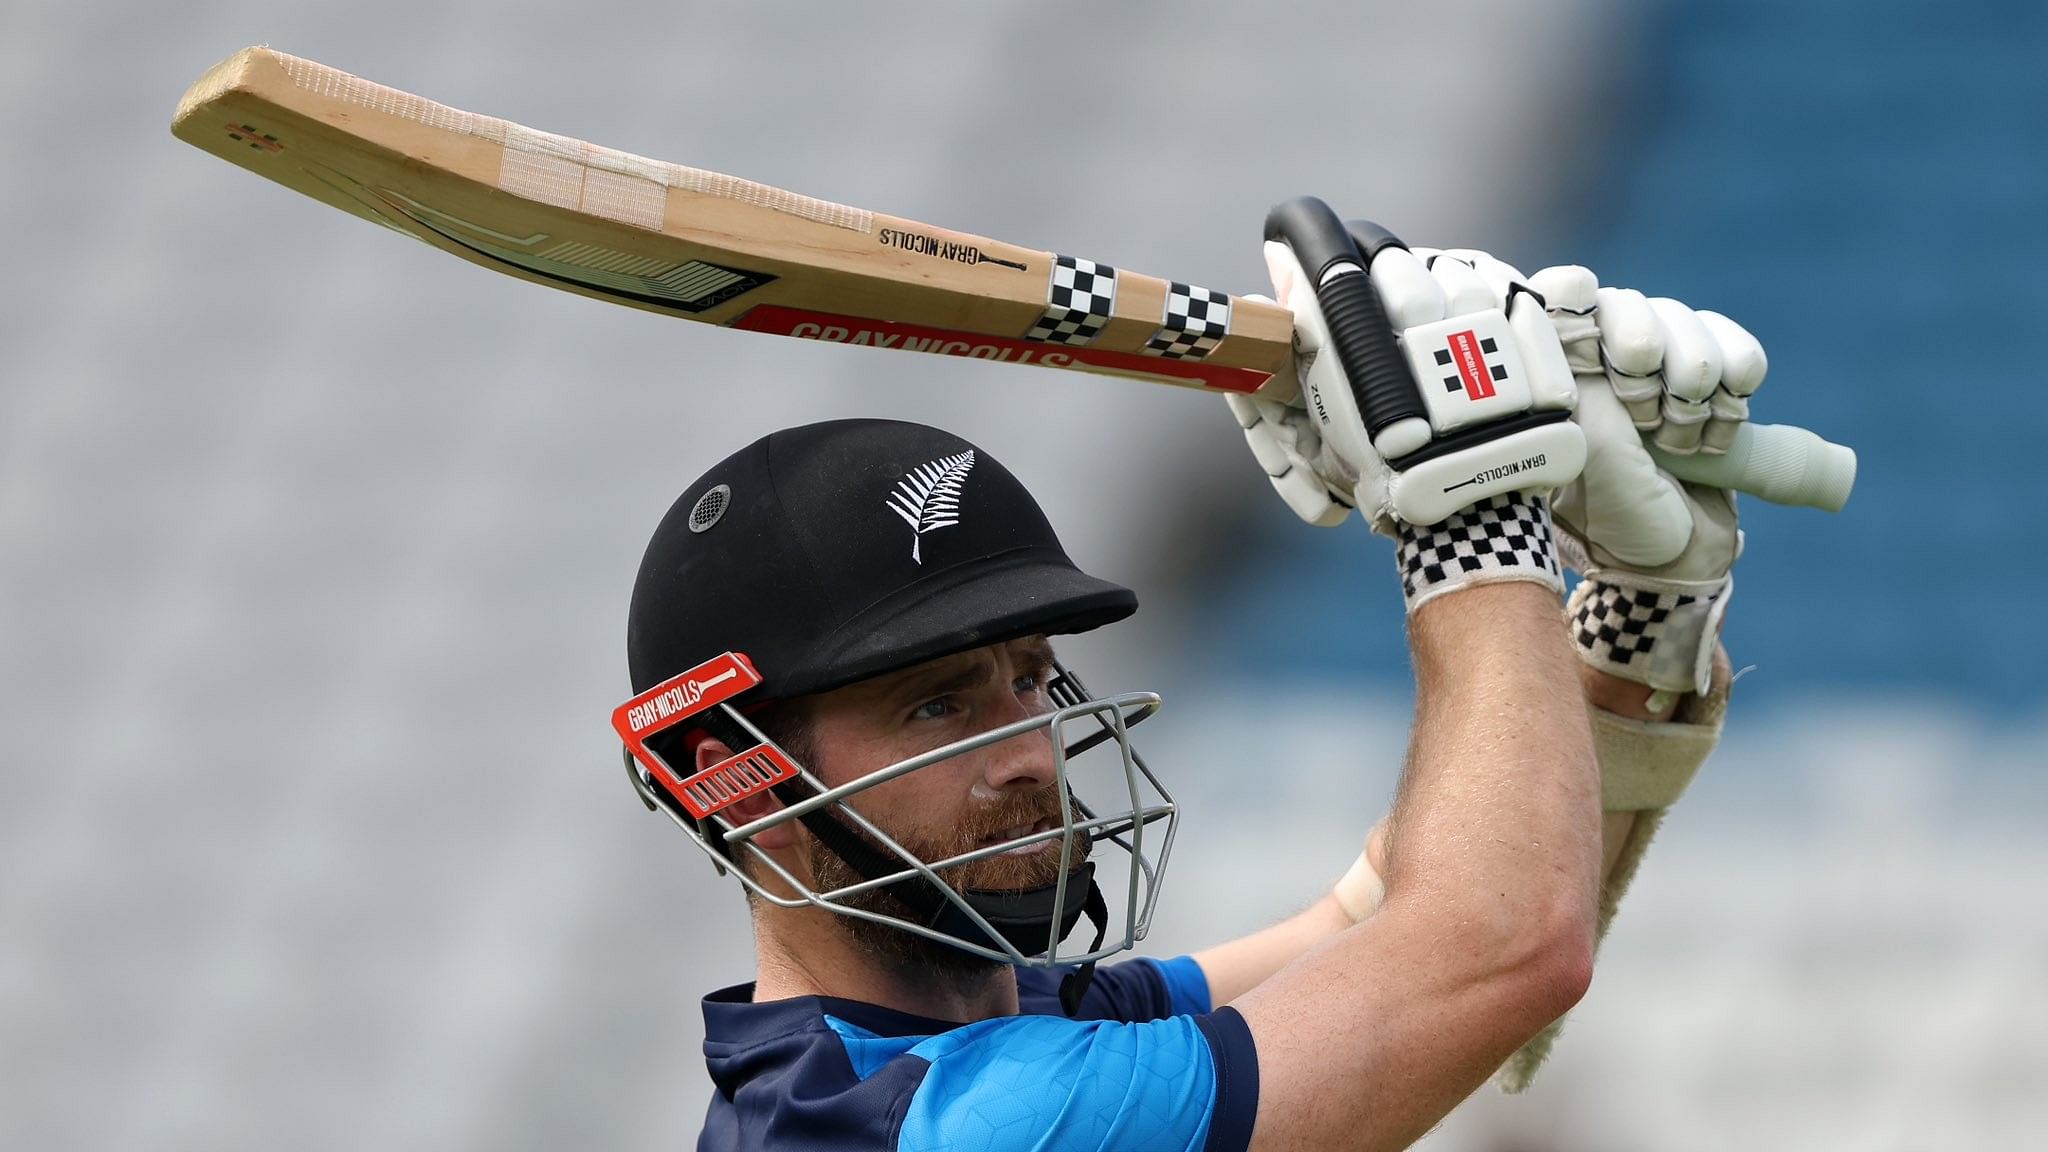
x: 1080, y: 297
x: 1196, y: 320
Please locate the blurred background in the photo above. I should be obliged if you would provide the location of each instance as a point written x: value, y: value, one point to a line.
x: 315, y: 544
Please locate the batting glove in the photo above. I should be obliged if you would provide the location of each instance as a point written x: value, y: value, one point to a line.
x: 1460, y: 489
x: 1317, y: 450
x: 1655, y: 552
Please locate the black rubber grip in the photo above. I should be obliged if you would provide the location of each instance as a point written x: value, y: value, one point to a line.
x: 1364, y: 340
x: 1372, y: 239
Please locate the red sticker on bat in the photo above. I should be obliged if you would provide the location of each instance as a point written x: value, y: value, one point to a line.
x: 712, y: 682
x: 835, y: 329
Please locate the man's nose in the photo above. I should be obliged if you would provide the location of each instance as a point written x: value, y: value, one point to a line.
x: 1020, y: 762
x: 1023, y: 761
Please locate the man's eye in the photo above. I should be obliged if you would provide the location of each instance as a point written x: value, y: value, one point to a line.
x: 1029, y: 682
x: 932, y: 709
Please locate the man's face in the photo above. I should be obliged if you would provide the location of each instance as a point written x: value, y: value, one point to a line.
x: 991, y: 794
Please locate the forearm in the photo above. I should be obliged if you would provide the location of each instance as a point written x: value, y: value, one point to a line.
x: 1496, y: 825
x: 1486, y: 931
x: 1237, y: 966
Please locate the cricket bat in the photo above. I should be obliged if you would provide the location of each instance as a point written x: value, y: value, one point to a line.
x: 721, y: 250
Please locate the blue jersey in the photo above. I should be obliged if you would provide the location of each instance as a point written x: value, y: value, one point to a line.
x: 1144, y: 1065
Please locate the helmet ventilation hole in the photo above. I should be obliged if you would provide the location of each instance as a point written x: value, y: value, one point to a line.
x: 709, y: 507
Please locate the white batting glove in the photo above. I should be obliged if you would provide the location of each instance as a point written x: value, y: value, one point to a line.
x: 1466, y: 507
x: 1685, y: 376
x: 1317, y: 451
x: 1316, y: 483
x: 1655, y: 553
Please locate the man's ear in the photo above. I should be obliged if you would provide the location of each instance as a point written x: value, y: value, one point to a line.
x: 710, y: 751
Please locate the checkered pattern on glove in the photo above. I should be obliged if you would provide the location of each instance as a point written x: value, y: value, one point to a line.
x: 1615, y: 625
x: 1658, y: 637
x: 1505, y: 537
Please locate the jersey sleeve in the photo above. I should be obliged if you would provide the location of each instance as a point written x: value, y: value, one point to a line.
x: 1187, y: 986
x: 1131, y: 991
x: 1046, y: 1084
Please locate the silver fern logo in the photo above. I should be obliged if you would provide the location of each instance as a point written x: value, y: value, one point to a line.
x: 928, y: 497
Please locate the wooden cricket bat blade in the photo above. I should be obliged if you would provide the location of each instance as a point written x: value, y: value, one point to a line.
x: 712, y: 248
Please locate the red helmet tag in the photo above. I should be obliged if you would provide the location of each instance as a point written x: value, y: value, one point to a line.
x: 677, y: 699
x: 713, y: 682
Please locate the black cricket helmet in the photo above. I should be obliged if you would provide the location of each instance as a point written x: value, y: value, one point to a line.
x: 830, y: 553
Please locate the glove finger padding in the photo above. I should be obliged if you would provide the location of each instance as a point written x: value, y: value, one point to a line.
x: 1743, y: 366
x: 1632, y: 354
x: 1571, y: 299
x: 1685, y: 376
x: 1499, y: 275
x: 1692, y: 371
x: 1409, y: 293
x: 1551, y: 386
x: 1339, y: 423
x: 1465, y: 290
x: 1284, y: 442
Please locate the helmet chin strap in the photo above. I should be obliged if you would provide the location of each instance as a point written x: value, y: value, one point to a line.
x: 1075, y: 985
x: 1025, y: 916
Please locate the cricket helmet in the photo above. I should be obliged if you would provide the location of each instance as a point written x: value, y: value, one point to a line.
x: 827, y: 554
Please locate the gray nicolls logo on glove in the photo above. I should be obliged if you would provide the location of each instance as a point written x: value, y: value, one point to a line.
x: 1473, y: 374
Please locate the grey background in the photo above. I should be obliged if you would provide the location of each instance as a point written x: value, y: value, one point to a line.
x: 315, y: 544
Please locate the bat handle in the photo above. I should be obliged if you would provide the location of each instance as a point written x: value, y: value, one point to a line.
x: 1774, y: 462
x: 1387, y: 398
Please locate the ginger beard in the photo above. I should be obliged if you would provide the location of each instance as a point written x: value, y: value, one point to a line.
x: 909, y: 952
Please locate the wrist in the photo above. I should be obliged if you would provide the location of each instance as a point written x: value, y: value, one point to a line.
x: 1501, y: 539
x: 1625, y: 698
x: 1652, y: 633
x: 1360, y: 891
x: 1495, y: 643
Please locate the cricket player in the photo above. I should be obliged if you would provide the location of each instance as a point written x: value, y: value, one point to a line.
x: 842, y: 640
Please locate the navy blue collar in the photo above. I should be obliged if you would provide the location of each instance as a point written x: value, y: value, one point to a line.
x: 731, y: 1016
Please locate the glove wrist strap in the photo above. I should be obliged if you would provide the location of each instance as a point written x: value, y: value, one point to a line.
x: 1660, y: 637
x: 1504, y: 537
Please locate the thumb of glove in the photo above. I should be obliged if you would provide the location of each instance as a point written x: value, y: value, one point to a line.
x: 1621, y: 505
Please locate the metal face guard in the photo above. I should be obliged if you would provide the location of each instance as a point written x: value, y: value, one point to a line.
x: 1078, y: 725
